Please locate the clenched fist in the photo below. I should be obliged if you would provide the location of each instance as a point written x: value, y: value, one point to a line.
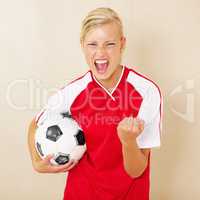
x: 129, y: 128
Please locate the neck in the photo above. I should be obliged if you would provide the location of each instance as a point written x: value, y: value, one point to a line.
x: 110, y: 83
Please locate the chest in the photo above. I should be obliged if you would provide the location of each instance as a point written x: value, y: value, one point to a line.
x: 99, y: 113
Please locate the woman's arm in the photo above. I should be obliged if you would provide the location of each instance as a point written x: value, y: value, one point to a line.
x: 135, y: 159
x: 31, y: 134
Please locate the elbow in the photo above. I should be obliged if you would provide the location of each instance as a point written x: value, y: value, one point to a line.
x: 36, y: 168
x: 135, y: 173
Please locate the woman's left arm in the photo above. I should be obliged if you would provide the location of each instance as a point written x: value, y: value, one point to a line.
x: 135, y: 159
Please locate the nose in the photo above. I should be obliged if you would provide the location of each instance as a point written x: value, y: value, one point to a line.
x: 100, y: 50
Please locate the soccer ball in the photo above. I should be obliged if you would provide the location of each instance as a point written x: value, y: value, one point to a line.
x: 61, y: 137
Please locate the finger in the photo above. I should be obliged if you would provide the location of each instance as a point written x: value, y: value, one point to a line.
x: 136, y: 123
x: 126, y: 123
x: 48, y: 158
x: 63, y: 167
x: 140, y: 124
x: 130, y: 123
x: 74, y: 163
x: 68, y: 164
x: 68, y: 168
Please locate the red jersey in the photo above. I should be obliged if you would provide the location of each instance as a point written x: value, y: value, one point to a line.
x: 100, y: 174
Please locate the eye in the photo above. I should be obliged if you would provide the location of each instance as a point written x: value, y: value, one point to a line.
x: 111, y: 44
x: 92, y: 44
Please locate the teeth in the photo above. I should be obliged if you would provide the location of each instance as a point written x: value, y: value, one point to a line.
x: 101, y: 61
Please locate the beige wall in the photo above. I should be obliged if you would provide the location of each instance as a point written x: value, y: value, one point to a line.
x: 39, y: 52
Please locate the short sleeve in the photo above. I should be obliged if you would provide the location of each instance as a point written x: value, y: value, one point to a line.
x: 150, y: 112
x: 56, y: 105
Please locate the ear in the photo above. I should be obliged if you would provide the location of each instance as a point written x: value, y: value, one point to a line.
x: 123, y: 43
x: 81, y: 44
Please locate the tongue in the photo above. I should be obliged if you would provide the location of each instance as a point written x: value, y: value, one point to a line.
x: 101, y: 67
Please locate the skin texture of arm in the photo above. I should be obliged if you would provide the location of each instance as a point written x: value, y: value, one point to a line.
x: 135, y: 159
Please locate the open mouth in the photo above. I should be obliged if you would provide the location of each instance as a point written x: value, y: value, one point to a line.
x: 101, y: 65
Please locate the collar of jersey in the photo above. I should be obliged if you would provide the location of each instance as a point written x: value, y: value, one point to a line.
x: 114, y: 88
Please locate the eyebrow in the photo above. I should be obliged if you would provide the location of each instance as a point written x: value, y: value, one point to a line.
x: 104, y: 42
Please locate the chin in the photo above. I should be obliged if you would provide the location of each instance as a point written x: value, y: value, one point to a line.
x: 103, y: 76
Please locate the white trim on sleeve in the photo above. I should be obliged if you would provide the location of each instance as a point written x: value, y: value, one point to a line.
x: 150, y: 110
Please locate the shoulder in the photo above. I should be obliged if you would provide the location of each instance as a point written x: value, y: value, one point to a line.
x: 80, y: 82
x: 72, y: 89
x: 143, y: 84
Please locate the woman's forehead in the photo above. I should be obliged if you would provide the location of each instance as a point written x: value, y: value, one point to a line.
x: 106, y: 32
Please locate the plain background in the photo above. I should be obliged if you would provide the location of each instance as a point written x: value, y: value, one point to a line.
x: 40, y: 52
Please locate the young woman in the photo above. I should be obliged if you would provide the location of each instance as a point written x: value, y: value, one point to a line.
x: 119, y: 111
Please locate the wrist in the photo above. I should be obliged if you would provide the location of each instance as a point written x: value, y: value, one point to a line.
x: 130, y: 143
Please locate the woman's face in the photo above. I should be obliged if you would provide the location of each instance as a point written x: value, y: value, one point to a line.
x: 102, y: 48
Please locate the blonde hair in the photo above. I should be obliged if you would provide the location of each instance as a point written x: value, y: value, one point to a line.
x: 99, y: 16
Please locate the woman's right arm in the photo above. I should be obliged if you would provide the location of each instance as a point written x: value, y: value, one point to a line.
x: 43, y: 165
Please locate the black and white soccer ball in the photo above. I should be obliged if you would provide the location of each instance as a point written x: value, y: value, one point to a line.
x: 61, y: 137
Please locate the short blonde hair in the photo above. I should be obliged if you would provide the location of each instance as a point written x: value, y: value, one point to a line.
x: 99, y: 16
